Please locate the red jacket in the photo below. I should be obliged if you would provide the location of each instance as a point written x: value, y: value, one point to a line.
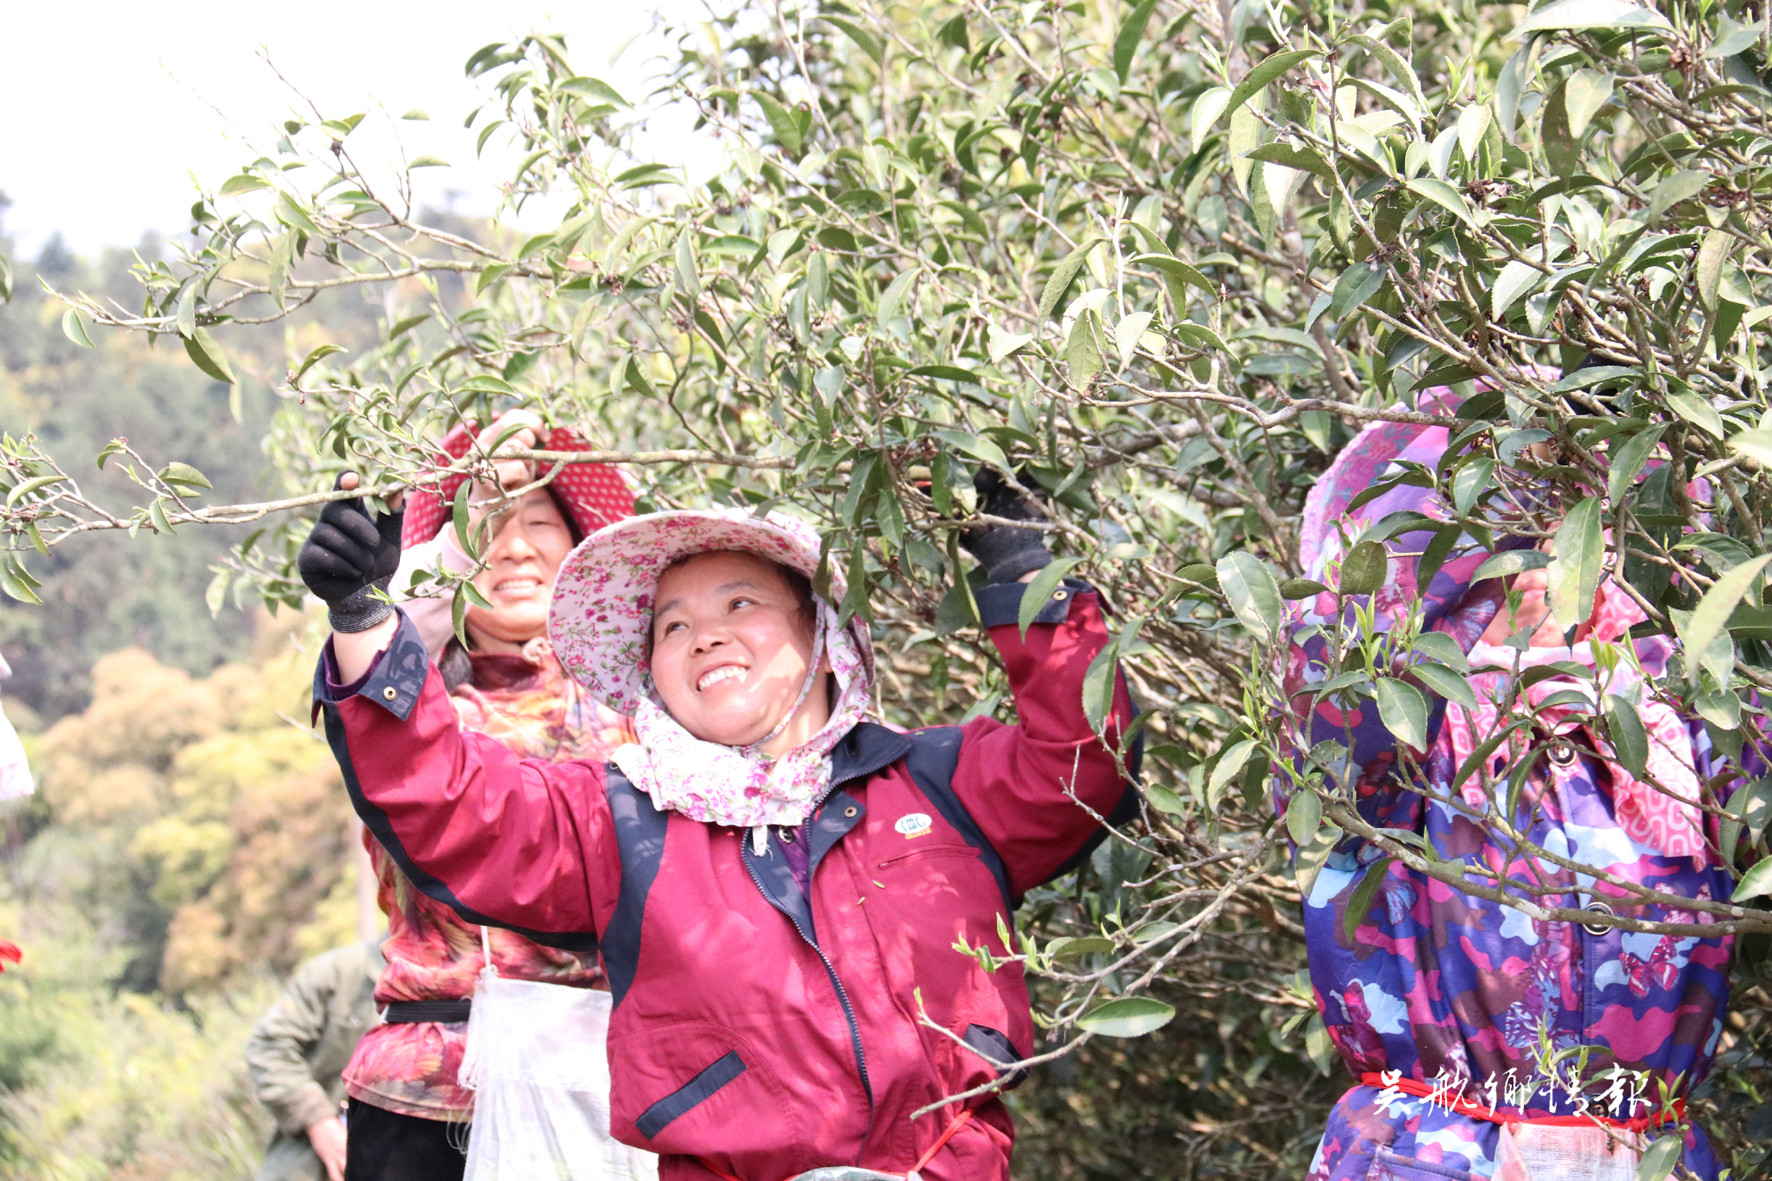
x: 761, y: 1029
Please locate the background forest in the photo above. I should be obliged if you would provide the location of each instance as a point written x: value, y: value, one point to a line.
x: 1162, y: 257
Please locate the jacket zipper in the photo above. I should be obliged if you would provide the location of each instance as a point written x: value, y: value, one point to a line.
x: 861, y: 1060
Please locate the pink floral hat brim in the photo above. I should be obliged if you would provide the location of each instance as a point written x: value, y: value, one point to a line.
x: 603, y: 596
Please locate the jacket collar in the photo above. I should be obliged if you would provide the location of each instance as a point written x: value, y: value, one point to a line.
x: 866, y: 749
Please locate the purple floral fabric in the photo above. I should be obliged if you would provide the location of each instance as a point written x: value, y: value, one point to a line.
x: 1438, y: 984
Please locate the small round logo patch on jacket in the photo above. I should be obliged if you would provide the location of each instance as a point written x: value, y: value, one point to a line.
x: 917, y: 824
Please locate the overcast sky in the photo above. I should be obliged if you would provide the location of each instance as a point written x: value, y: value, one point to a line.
x: 108, y: 110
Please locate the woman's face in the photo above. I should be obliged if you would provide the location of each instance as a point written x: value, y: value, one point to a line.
x: 529, y: 543
x: 730, y: 650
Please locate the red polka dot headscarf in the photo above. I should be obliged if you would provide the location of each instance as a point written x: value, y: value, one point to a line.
x: 595, y: 494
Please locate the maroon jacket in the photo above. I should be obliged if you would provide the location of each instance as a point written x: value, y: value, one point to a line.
x: 764, y: 1030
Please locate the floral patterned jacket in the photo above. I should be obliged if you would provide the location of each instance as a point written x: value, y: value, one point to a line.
x: 1442, y: 986
x: 432, y: 953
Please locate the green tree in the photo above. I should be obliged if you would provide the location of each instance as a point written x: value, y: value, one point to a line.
x: 1163, y: 259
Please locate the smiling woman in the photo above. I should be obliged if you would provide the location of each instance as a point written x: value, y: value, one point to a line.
x: 529, y: 540
x: 732, y: 652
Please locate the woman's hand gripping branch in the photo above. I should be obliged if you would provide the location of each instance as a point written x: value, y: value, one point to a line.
x: 346, y: 559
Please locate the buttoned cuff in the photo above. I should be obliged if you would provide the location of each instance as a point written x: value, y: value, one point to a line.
x: 394, y: 680
x: 1000, y: 602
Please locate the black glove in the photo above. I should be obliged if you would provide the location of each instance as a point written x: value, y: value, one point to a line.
x: 1005, y: 552
x: 345, y: 557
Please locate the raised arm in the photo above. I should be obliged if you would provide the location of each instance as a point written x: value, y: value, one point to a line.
x: 1036, y: 788
x: 507, y: 842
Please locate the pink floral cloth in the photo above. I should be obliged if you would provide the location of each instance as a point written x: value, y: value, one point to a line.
x: 1667, y: 819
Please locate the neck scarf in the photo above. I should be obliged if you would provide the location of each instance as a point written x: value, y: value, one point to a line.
x: 739, y: 785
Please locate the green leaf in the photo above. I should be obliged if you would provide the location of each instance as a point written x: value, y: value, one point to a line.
x: 1713, y: 252
x: 1630, y: 741
x: 1302, y: 159
x: 1659, y: 1159
x: 1696, y: 411
x: 74, y: 328
x: 1066, y: 947
x: 1513, y: 561
x: 1164, y: 799
x: 1002, y: 344
x: 1516, y: 279
x: 1206, y: 110
x: 1304, y: 814
x: 594, y: 89
x: 1756, y: 445
x: 1062, y: 275
x: 245, y: 182
x: 294, y: 216
x: 1590, y: 14
x: 1038, y: 592
x: 185, y: 474
x: 687, y: 282
x: 977, y: 446
x: 946, y: 373
x: 781, y: 121
x: 1178, y: 269
x: 12, y: 584
x: 1130, y: 34
x: 1359, y: 903
x: 207, y: 355
x: 893, y: 297
x: 1711, y: 617
x: 1628, y: 460
x: 1585, y: 92
x: 1364, y: 568
x: 1129, y: 1016
x: 1403, y: 710
x: 1356, y: 285
x: 1447, y: 197
x: 1446, y: 683
x: 1574, y: 574
x: 215, y: 595
x: 1252, y: 592
x: 1270, y: 67
x: 427, y: 162
x: 5, y: 279
x: 1755, y: 883
x: 866, y: 41
x: 29, y: 486
x: 1470, y: 483
x: 1230, y: 762
x: 314, y: 358
x: 1680, y: 186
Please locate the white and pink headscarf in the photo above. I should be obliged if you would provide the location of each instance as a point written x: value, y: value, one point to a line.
x: 601, y: 614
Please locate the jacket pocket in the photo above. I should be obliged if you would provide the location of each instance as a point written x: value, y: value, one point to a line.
x: 929, y: 852
x: 699, y: 1088
x: 996, y: 1047
x: 691, y: 1094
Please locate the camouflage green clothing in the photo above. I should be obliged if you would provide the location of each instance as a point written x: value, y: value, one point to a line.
x: 298, y: 1050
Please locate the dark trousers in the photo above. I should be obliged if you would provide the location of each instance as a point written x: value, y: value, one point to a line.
x: 387, y: 1146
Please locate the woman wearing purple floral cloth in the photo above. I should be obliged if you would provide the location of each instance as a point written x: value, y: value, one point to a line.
x: 1448, y: 1007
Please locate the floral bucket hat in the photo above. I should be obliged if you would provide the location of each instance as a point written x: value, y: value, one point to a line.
x: 603, y: 596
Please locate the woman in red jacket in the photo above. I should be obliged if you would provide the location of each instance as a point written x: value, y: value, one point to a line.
x: 408, y: 1116
x: 775, y: 883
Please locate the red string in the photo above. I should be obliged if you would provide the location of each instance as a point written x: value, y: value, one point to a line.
x: 1492, y: 1115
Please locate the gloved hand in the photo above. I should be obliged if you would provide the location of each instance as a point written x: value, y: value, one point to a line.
x: 1005, y: 552
x: 346, y: 556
